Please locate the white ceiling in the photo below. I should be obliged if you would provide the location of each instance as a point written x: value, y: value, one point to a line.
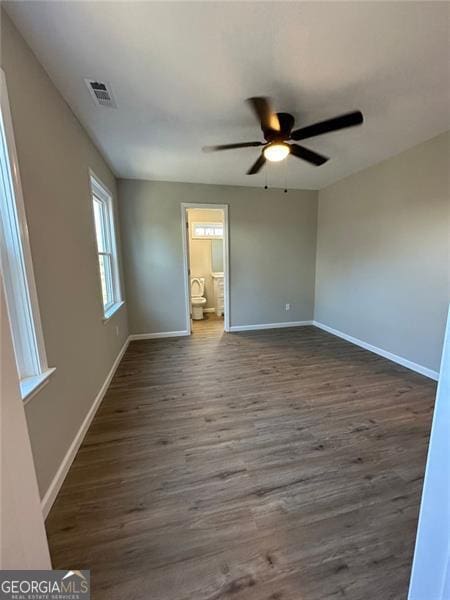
x: 180, y: 72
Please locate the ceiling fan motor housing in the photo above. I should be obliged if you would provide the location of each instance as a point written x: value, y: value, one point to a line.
x: 286, y: 122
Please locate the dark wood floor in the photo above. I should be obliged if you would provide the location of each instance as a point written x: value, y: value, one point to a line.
x: 269, y: 465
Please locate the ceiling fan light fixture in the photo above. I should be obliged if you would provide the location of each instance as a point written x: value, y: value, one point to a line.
x: 276, y: 151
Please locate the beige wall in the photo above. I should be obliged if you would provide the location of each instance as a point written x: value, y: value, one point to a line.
x: 55, y: 154
x: 200, y: 251
x: 272, y: 252
x: 383, y: 253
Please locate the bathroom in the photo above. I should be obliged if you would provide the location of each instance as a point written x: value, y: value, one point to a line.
x: 206, y: 265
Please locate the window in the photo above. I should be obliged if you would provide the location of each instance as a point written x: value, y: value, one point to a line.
x: 16, y: 263
x: 106, y: 248
x: 207, y: 230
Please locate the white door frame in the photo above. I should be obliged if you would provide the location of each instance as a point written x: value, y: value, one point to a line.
x: 23, y: 541
x: 430, y: 574
x: 226, y: 261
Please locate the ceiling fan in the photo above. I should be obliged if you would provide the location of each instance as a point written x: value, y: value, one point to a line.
x: 277, y: 130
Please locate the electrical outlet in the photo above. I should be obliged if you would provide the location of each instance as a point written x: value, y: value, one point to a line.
x: 117, y: 330
x: 288, y: 307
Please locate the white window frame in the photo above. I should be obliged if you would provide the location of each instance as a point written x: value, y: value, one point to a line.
x: 196, y: 224
x: 101, y: 194
x: 17, y: 264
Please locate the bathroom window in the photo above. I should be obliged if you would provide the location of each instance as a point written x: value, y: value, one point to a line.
x: 16, y: 263
x: 106, y: 248
x: 207, y: 230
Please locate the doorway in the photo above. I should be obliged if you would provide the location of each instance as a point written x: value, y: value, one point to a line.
x: 206, y: 267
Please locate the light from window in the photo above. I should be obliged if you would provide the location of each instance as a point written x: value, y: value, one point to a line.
x: 16, y: 262
x: 106, y: 247
x: 207, y: 230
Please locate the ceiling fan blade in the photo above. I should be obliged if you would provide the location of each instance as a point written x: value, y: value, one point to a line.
x: 341, y: 122
x: 257, y: 165
x: 308, y: 155
x: 261, y: 107
x: 232, y: 146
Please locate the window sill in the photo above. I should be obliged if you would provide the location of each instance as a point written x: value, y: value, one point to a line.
x: 112, y: 311
x: 32, y: 385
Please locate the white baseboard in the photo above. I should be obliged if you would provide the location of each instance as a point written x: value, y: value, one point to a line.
x: 152, y: 336
x: 209, y: 310
x: 384, y: 353
x: 269, y: 325
x: 50, y: 495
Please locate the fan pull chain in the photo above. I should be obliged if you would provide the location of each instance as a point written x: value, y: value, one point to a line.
x: 265, y: 180
x: 285, y: 176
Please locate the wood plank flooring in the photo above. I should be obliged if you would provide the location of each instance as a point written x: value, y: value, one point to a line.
x: 267, y: 465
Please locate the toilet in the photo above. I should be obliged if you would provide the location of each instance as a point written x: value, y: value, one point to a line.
x: 198, y: 300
